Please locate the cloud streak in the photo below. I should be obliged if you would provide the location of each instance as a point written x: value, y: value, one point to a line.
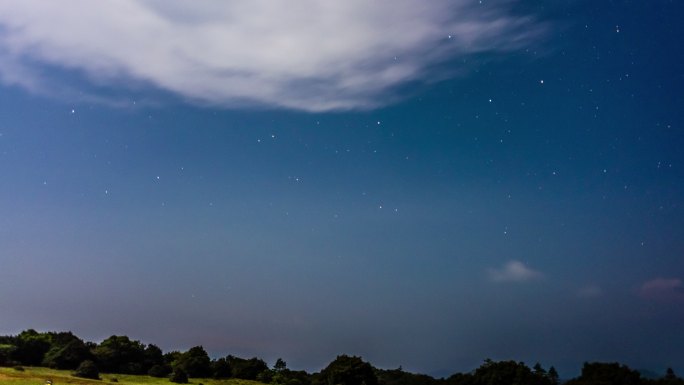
x: 313, y: 55
x: 663, y: 289
x: 514, y: 271
x: 590, y: 291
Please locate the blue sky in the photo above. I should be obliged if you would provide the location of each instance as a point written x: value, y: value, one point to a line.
x: 422, y: 184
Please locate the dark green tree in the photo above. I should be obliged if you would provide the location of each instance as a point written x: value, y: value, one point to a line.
x: 606, y: 374
x: 87, y: 369
x: 31, y: 347
x: 171, y: 357
x: 401, y: 377
x: 670, y: 374
x: 291, y: 377
x: 507, y: 372
x: 280, y: 365
x: 246, y: 369
x: 266, y: 376
x: 120, y: 354
x: 460, y: 379
x: 152, y: 356
x: 552, y: 375
x: 195, y: 362
x: 538, y: 370
x: 670, y: 378
x: 221, y: 368
x: 6, y: 352
x: 348, y: 370
x: 67, y: 356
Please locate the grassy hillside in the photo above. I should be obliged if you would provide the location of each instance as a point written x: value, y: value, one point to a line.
x: 38, y: 376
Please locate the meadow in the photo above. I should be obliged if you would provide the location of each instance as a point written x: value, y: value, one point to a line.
x: 39, y: 376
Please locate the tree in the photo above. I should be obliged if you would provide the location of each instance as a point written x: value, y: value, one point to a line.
x: 246, y: 369
x: 120, y: 354
x: 67, y: 356
x: 171, y: 357
x: 266, y: 376
x: 291, y: 377
x: 670, y: 378
x: 152, y: 356
x: 280, y: 365
x: 195, y: 362
x: 670, y: 374
x: 31, y: 347
x: 400, y: 377
x: 538, y: 370
x: 348, y: 370
x: 606, y: 374
x: 87, y: 369
x: 221, y: 368
x: 553, y: 376
x: 507, y: 372
x: 6, y: 351
x: 460, y: 379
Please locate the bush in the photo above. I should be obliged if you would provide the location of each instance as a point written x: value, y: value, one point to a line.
x: 19, y: 368
x: 114, y: 379
x: 179, y: 376
x: 159, y: 371
x: 87, y: 369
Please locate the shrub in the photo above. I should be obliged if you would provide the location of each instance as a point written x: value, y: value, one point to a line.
x: 87, y: 369
x: 179, y: 376
x: 19, y: 368
x: 159, y: 371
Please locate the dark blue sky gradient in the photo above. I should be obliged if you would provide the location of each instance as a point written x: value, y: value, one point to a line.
x: 302, y: 235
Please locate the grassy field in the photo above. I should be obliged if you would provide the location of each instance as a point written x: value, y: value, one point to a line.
x: 38, y: 376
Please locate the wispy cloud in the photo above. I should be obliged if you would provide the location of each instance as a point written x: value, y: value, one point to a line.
x: 514, y: 271
x: 590, y: 291
x: 666, y: 289
x: 314, y: 55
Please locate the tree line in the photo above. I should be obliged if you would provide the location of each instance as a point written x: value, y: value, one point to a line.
x: 120, y: 354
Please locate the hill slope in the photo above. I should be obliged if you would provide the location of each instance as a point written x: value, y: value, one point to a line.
x: 38, y: 376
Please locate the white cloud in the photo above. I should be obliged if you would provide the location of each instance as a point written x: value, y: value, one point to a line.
x: 663, y: 289
x: 514, y: 271
x: 314, y: 55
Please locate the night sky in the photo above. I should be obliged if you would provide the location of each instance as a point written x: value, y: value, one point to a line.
x: 424, y: 184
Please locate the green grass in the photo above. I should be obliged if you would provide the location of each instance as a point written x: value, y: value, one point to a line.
x: 38, y: 376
